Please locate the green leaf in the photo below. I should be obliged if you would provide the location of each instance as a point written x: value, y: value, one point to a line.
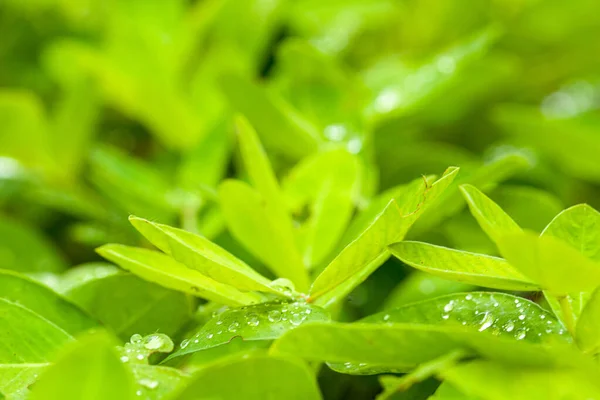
x: 153, y: 382
x: 89, y: 369
x: 126, y: 304
x: 448, y: 392
x: 498, y: 314
x: 492, y: 219
x: 462, y: 266
x: 578, y: 226
x: 555, y: 265
x: 587, y: 332
x: 34, y: 323
x: 365, y: 254
x: 487, y: 380
x: 199, y: 253
x: 251, y: 223
x: 266, y: 321
x: 258, y: 377
x: 24, y: 249
x: 163, y: 270
x: 402, y: 346
x: 281, y: 128
x: 45, y: 303
x: 325, y: 183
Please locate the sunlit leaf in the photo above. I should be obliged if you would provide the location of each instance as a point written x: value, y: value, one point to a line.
x: 462, y: 266
x: 199, y: 253
x: 163, y: 270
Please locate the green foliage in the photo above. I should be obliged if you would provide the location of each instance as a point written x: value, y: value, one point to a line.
x: 269, y: 182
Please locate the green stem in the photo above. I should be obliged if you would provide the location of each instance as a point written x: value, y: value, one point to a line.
x: 567, y: 312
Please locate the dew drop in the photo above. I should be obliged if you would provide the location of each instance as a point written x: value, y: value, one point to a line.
x: 469, y: 297
x: 252, y: 319
x: 297, y: 319
x: 486, y: 322
x: 274, y: 316
x: 386, y: 317
x: 448, y: 307
x: 445, y: 316
x: 209, y: 336
x: 219, y: 322
x: 307, y: 311
x: 140, y: 357
x: 149, y: 383
x: 136, y: 338
x: 124, y: 359
x: 521, y: 335
x: 496, y: 304
x: 233, y: 327
x: 154, y: 342
x: 522, y: 317
x: 184, y: 343
x: 138, y: 393
x: 509, y: 326
x: 543, y: 316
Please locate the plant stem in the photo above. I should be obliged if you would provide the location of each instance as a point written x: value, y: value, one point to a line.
x: 567, y: 312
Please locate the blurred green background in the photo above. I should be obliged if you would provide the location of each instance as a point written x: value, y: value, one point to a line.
x: 110, y: 108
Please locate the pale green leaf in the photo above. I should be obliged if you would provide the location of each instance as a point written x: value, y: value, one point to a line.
x: 492, y: 381
x: 325, y: 183
x: 88, y: 369
x: 462, y: 266
x: 250, y: 221
x: 199, y: 253
x: 579, y: 226
x: 257, y: 377
x: 163, y: 270
x: 553, y: 264
x: 492, y: 219
x: 587, y: 332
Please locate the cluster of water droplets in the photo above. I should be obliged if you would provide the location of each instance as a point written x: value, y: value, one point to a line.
x: 245, y: 321
x: 513, y: 317
x: 139, y: 347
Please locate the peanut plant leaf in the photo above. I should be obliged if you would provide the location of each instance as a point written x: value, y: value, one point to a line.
x: 492, y: 219
x: 499, y: 314
x: 579, y: 226
x: 576, y: 226
x: 462, y: 266
x: 402, y: 346
x: 587, y: 332
x: 493, y: 381
x: 163, y: 270
x: 266, y: 321
x: 366, y: 253
x: 281, y: 128
x: 35, y: 322
x: 325, y: 183
x: 555, y: 265
x: 256, y: 228
x: 82, y: 372
x: 257, y: 377
x: 126, y: 304
x: 199, y: 253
